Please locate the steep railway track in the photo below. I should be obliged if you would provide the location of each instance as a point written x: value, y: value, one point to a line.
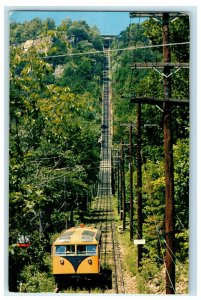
x: 103, y: 207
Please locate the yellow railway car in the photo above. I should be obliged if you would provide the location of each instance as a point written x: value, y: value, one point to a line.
x: 77, y: 252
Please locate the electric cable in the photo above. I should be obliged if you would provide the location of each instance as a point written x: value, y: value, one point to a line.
x: 116, y: 50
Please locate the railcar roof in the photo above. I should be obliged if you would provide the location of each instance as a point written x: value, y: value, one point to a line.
x: 76, y: 235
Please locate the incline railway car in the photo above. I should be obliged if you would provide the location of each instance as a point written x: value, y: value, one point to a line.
x: 76, y: 252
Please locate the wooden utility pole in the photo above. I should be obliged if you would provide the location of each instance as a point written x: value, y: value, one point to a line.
x: 66, y: 205
x: 118, y: 181
x: 131, y: 180
x: 139, y: 183
x: 168, y: 159
x: 113, y: 179
x: 123, y: 187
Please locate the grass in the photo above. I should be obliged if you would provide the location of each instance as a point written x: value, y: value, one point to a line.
x: 150, y: 279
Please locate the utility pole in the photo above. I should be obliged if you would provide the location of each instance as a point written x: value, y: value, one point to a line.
x: 168, y: 158
x: 131, y: 180
x: 123, y: 187
x: 113, y: 178
x: 139, y: 183
x: 118, y: 186
x: 65, y: 201
x: 117, y: 177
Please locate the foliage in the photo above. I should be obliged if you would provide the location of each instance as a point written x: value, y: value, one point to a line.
x: 36, y: 281
x: 30, y: 29
x: 54, y: 149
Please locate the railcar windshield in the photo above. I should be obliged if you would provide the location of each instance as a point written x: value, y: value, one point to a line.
x: 86, y: 249
x: 65, y: 250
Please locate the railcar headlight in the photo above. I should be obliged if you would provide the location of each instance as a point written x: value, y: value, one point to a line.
x: 61, y: 261
x: 90, y: 261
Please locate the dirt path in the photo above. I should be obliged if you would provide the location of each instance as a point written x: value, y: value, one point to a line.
x: 129, y: 280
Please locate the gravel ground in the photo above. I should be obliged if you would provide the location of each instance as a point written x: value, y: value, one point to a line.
x: 129, y: 280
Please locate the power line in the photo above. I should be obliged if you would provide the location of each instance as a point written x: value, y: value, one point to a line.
x: 173, y: 254
x: 116, y: 50
x: 160, y: 235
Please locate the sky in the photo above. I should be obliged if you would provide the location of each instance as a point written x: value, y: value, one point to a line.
x: 111, y: 23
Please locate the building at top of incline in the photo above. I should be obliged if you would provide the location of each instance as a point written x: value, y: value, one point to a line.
x: 108, y: 40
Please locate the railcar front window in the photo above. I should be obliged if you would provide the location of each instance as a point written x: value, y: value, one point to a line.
x: 91, y: 249
x: 86, y: 250
x: 65, y: 250
x: 70, y: 249
x: 60, y: 250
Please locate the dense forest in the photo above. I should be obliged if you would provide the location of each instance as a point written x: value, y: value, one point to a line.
x: 55, y: 129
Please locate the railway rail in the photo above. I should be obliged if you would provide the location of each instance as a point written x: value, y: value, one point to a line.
x: 102, y: 207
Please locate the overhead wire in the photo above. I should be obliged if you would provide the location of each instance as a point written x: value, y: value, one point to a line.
x: 160, y: 235
x: 116, y: 50
x: 182, y: 225
x: 173, y: 257
x: 172, y: 254
x: 164, y: 263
